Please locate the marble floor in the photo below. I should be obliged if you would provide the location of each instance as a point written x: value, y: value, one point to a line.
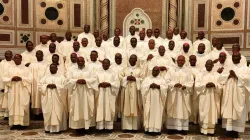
x: 36, y: 132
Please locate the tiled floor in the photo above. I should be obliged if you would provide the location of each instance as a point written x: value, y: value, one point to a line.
x: 36, y: 132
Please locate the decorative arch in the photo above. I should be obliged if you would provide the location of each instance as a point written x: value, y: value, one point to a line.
x: 139, y: 19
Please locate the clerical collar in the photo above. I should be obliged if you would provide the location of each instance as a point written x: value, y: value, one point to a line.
x: 44, y: 45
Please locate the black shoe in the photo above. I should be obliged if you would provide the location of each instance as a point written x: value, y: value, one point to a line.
x: 13, y: 127
x: 211, y: 135
x: 228, y: 134
x: 235, y: 134
x: 183, y: 132
x: 171, y: 132
x: 23, y: 127
x: 57, y: 132
x: 119, y: 120
x: 109, y: 130
x: 6, y: 118
x: 46, y: 132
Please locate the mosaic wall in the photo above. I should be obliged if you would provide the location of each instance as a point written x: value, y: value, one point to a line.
x: 23, y: 20
x: 227, y: 20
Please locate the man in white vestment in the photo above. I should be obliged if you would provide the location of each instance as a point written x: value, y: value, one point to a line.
x: 182, y: 41
x: 114, y: 49
x: 201, y: 56
x: 96, y: 34
x: 131, y: 104
x: 94, y: 65
x: 194, y: 70
x: 76, y: 50
x: 186, y: 52
x: 126, y: 41
x: 202, y: 39
x: 157, y: 38
x: 141, y: 41
x: 169, y: 37
x: 18, y: 87
x: 171, y: 51
x: 29, y: 55
x: 43, y: 46
x: 86, y: 34
x: 81, y: 85
x: 154, y: 93
x: 85, y: 49
x: 117, y: 33
x: 223, y: 63
x: 55, y: 60
x: 4, y: 66
x: 235, y: 99
x: 53, y: 39
x: 149, y: 35
x: 162, y: 60
x: 108, y: 86
x: 214, y: 54
x: 54, y: 101
x: 52, y: 50
x: 134, y: 49
x: 208, y: 92
x: 213, y: 42
x: 66, y: 45
x: 176, y: 36
x: 38, y: 71
x: 99, y: 48
x: 236, y: 49
x: 72, y: 64
x: 180, y: 82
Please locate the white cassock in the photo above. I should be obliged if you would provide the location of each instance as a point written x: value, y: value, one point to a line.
x: 84, y: 52
x: 105, y: 99
x: 153, y: 103
x: 195, y: 71
x: 70, y: 66
x: 68, y: 59
x: 66, y: 47
x: 226, y: 65
x: 179, y: 45
x: 214, y: 54
x: 112, y: 51
x: 205, y: 42
x: 186, y: 55
x: 166, y: 42
x: 140, y: 43
x: 136, y: 51
x: 38, y: 71
x: 126, y: 42
x: 44, y: 48
x: 177, y: 37
x: 89, y: 36
x: 61, y: 60
x: 209, y: 101
x: 117, y: 69
x: 82, y: 105
x: 158, y: 42
x: 148, y: 38
x: 243, y: 60
x: 107, y: 44
x: 58, y: 46
x: 172, y: 54
x: 94, y: 66
x: 235, y: 98
x: 178, y: 100
x: 165, y: 61
x: 28, y: 57
x: 54, y: 103
x: 100, y: 50
x: 145, y: 53
x: 4, y: 66
x: 18, y: 94
x: 131, y: 104
x: 60, y: 70
x: 201, y: 59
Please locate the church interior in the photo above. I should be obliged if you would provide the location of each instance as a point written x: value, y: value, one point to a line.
x: 28, y: 20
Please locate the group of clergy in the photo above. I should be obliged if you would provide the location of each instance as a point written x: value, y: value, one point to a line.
x: 144, y: 80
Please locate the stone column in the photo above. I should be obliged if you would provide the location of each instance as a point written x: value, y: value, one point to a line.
x: 104, y: 17
x: 172, y: 14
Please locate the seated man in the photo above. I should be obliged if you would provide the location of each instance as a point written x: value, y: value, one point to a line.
x: 54, y: 101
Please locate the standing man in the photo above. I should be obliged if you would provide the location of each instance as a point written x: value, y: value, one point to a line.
x: 29, y: 55
x: 86, y: 34
x: 202, y: 39
x: 18, y: 87
x: 108, y: 86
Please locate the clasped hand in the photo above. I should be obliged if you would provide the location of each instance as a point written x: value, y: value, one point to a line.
x: 178, y: 85
x: 210, y: 85
x: 232, y: 74
x: 131, y: 78
x: 81, y: 81
x: 16, y: 78
x: 51, y: 86
x: 104, y: 85
x: 153, y: 85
